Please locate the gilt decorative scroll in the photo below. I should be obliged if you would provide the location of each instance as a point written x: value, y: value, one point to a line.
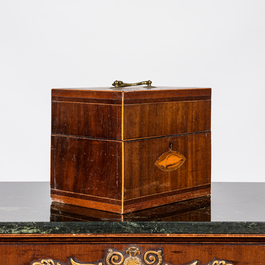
x: 132, y: 256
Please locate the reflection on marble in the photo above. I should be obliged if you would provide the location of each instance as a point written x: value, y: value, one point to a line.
x: 195, y: 210
x: 25, y: 201
x: 244, y: 202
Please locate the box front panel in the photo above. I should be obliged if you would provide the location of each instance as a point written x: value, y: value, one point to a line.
x: 166, y: 118
x: 143, y: 178
x: 86, y: 169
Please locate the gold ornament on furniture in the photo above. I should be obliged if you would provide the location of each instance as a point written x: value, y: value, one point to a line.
x: 75, y: 263
x: 132, y: 257
x: 219, y: 262
x: 46, y: 262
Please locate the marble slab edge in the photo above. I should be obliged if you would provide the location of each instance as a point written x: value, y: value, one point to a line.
x: 132, y: 228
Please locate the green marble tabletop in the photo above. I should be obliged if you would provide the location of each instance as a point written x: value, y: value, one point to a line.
x: 234, y: 208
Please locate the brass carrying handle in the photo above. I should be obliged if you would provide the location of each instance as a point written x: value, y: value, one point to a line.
x: 121, y: 84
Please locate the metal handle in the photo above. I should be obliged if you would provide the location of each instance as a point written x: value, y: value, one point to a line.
x: 121, y: 84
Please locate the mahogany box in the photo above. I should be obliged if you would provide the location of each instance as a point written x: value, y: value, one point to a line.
x: 128, y: 149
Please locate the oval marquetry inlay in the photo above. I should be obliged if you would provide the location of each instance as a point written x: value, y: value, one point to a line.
x: 170, y: 161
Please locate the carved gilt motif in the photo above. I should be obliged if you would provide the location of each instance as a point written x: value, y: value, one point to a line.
x: 131, y: 257
x: 46, y: 262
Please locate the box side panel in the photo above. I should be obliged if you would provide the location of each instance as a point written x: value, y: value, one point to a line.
x: 166, y: 118
x: 86, y: 119
x: 146, y: 181
x: 86, y: 169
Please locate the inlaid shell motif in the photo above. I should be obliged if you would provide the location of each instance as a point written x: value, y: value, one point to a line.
x: 170, y: 161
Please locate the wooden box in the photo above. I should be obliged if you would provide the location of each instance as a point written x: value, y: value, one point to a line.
x: 129, y: 149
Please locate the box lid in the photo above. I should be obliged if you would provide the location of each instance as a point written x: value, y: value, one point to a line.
x: 130, y: 112
x: 133, y: 94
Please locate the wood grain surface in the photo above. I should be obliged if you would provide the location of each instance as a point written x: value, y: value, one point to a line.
x: 84, y: 119
x: 89, y: 167
x: 164, y: 119
x: 175, y: 249
x: 143, y: 178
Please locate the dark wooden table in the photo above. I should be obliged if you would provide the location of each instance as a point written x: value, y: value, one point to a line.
x: 229, y: 228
